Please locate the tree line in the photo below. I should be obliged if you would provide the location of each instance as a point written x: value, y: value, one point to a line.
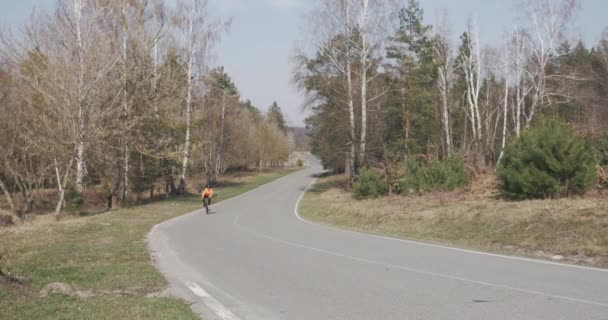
x: 120, y: 95
x: 384, y: 86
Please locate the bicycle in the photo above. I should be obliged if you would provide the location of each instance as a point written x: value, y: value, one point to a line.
x: 206, y: 202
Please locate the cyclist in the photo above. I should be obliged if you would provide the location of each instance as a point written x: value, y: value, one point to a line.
x: 207, y: 195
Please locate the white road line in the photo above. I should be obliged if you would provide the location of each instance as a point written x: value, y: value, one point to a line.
x: 212, y: 303
x: 418, y: 271
x: 297, y: 214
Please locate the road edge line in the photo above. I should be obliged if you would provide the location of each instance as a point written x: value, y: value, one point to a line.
x: 519, y: 258
x: 217, y: 307
x: 209, y: 301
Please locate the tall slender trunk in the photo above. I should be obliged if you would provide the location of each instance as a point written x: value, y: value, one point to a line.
x: 190, y: 73
x: 350, y: 101
x: 504, y: 123
x: 62, y: 184
x: 125, y: 102
x: 364, y: 66
x: 477, y: 87
x: 155, y: 79
x: 471, y: 116
x: 60, y: 187
x: 186, y: 152
x: 220, y: 149
x: 518, y: 109
x: 80, y: 169
x: 351, y: 114
x: 80, y: 162
x: 8, y: 196
x: 444, y: 87
x: 362, y: 143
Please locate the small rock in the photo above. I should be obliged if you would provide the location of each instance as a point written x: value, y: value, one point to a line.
x: 83, y: 294
x: 557, y: 257
x: 160, y: 294
x: 56, y: 288
x: 120, y: 292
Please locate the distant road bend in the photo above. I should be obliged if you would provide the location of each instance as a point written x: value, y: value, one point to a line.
x: 256, y: 259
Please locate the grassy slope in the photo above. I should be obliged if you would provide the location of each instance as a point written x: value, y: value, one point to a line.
x: 574, y: 228
x: 104, y: 253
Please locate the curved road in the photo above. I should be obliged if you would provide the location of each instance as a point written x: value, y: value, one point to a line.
x: 256, y: 259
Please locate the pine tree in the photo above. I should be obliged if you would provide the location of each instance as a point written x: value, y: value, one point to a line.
x: 548, y: 160
x: 275, y: 116
x: 413, y: 120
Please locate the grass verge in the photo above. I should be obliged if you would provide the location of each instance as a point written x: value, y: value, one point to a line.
x: 106, y: 253
x: 568, y: 230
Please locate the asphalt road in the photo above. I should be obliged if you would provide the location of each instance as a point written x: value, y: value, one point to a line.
x: 256, y: 259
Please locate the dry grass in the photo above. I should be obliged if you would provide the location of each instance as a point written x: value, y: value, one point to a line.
x: 574, y: 228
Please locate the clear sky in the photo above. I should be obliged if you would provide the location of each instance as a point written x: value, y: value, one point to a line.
x: 257, y: 50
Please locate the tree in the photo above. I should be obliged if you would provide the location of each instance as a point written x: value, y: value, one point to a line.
x: 373, y: 21
x: 412, y: 106
x: 549, y: 22
x: 470, y: 63
x: 275, y: 116
x: 334, y: 26
x: 547, y: 160
x: 199, y: 35
x: 445, y: 70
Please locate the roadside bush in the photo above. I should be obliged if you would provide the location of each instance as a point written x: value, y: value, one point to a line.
x: 369, y: 185
x: 548, y: 160
x: 414, y: 178
x: 602, y: 177
x: 73, y: 199
x: 300, y: 163
x: 600, y: 148
x: 445, y: 175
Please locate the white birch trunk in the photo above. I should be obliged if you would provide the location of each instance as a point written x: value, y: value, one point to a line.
x: 444, y: 87
x: 364, y: 67
x: 62, y: 184
x: 505, y: 109
x: 155, y: 79
x: 477, y: 85
x: 518, y: 111
x: 220, y: 149
x: 471, y: 65
x: 350, y: 100
x: 363, y: 116
x: 125, y: 102
x: 80, y: 169
x: 445, y: 71
x: 190, y: 73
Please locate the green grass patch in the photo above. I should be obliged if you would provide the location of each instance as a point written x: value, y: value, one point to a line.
x: 102, y: 253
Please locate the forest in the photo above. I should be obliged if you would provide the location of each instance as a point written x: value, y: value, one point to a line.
x: 121, y: 99
x: 403, y: 106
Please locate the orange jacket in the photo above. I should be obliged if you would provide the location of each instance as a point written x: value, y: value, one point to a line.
x: 207, y: 193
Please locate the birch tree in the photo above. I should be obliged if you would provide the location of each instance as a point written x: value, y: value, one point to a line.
x: 332, y: 28
x: 505, y: 108
x: 445, y: 71
x: 548, y: 24
x: 518, y: 50
x: 471, y: 65
x: 372, y: 26
x: 199, y: 34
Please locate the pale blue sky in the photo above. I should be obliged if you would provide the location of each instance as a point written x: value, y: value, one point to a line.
x: 264, y: 33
